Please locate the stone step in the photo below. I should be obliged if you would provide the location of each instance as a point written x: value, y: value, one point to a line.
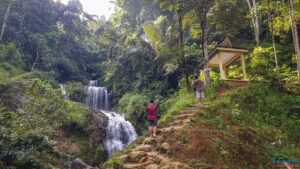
x: 135, y: 165
x: 193, y: 109
x: 175, y: 165
x: 178, y: 122
x: 170, y: 129
x: 152, y: 166
x: 143, y: 147
x: 136, y: 156
x: 157, y: 158
x: 151, y: 141
x: 183, y: 116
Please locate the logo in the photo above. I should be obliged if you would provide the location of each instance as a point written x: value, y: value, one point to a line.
x: 289, y: 164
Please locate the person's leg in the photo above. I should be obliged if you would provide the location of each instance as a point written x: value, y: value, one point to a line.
x: 150, y: 131
x: 201, y: 96
x: 154, y: 128
x: 154, y: 131
x: 198, y: 95
x: 150, y: 128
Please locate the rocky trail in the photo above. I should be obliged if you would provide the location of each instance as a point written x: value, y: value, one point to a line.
x: 199, y: 137
x: 152, y: 153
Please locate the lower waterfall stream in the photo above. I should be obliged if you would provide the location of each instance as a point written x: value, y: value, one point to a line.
x: 119, y: 132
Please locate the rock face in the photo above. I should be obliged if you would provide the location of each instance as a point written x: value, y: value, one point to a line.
x: 96, y: 127
x: 90, y: 137
x: 79, y: 164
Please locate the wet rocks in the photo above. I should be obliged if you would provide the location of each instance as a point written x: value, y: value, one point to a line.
x: 79, y: 164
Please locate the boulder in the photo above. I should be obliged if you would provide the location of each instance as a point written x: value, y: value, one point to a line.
x: 96, y: 127
x: 79, y: 164
x: 137, y: 155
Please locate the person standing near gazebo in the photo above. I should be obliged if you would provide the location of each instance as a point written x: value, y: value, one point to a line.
x: 198, y: 88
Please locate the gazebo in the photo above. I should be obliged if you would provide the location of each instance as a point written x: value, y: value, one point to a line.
x: 225, y: 55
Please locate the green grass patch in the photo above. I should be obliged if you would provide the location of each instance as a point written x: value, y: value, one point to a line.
x: 271, y: 113
x: 178, y: 102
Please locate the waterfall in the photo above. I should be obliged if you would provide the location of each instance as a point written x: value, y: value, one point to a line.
x: 63, y: 91
x: 97, y: 96
x: 119, y: 132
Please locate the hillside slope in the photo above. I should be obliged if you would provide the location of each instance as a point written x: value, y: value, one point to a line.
x: 215, y: 135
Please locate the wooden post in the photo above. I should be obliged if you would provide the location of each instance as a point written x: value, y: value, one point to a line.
x: 222, y: 73
x: 225, y: 71
x: 244, y: 66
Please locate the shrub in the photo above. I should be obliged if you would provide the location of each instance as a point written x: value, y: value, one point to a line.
x: 134, y: 106
x: 270, y: 105
x: 292, y: 84
x: 76, y: 91
x: 11, y: 55
x: 210, y: 91
x: 21, y: 147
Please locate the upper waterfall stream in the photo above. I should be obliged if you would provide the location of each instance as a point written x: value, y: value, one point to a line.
x: 119, y: 132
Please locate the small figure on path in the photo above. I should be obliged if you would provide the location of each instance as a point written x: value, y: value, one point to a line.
x: 198, y: 88
x: 152, y: 118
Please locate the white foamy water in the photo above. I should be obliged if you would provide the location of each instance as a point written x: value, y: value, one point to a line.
x: 119, y: 132
x: 63, y: 90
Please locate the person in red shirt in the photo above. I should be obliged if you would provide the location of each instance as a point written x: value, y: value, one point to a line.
x: 152, y: 118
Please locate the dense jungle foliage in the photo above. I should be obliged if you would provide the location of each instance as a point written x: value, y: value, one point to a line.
x: 148, y: 49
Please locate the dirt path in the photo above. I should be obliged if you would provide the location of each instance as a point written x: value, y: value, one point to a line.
x: 152, y: 153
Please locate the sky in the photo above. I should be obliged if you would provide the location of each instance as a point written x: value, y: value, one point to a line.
x: 96, y: 7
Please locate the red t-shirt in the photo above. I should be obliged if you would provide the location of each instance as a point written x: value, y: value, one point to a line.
x: 151, y: 109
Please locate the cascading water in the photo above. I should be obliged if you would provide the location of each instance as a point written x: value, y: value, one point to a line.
x: 119, y: 132
x: 97, y: 96
x: 63, y: 91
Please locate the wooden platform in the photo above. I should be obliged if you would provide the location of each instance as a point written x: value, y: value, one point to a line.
x: 236, y: 83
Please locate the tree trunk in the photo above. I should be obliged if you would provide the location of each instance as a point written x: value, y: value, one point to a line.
x: 24, y: 11
x: 204, y: 32
x: 257, y: 39
x: 254, y: 19
x: 5, y: 20
x: 187, y: 81
x: 180, y: 39
x: 273, y: 37
x: 36, y: 59
x: 295, y: 35
x: 181, y: 51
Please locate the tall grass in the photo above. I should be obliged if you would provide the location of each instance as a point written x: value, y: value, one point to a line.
x: 176, y: 103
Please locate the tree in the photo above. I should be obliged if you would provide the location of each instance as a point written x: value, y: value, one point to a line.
x: 7, y: 13
x: 179, y: 9
x: 222, y: 14
x: 295, y: 35
x: 254, y: 19
x: 202, y: 8
x: 273, y: 36
x: 182, y: 62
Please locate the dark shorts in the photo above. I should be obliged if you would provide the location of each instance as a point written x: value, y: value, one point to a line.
x: 152, y: 122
